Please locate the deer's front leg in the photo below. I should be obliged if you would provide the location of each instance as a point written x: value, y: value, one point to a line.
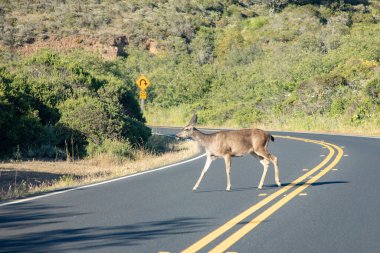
x: 227, y: 160
x: 205, y: 168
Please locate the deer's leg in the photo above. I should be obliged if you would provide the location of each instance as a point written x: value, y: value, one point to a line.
x: 227, y: 160
x: 274, y: 160
x: 265, y: 163
x: 205, y: 168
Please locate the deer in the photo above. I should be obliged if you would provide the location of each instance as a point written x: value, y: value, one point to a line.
x: 232, y: 143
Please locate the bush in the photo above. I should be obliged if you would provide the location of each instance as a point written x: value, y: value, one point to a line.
x: 111, y: 147
x: 246, y: 117
x: 89, y: 116
x: 373, y: 90
x: 19, y: 121
x: 99, y: 121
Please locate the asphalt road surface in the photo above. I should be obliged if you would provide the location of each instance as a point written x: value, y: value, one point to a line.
x: 329, y: 202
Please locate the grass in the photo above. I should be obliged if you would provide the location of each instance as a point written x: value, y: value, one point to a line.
x: 20, y: 179
x: 343, y: 124
x: 335, y: 125
x: 173, y: 116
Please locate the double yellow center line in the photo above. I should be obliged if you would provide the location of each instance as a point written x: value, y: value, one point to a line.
x: 232, y: 239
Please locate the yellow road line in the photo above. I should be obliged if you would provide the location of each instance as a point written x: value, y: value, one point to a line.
x: 231, y: 240
x: 231, y: 223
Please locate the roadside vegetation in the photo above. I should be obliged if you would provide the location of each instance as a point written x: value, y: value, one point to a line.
x: 28, y: 177
x: 52, y: 103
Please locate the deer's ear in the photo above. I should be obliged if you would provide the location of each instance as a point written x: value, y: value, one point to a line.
x: 194, y: 120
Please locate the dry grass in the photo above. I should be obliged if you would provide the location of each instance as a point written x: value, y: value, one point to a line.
x: 18, y: 179
x: 342, y: 125
x: 180, y: 115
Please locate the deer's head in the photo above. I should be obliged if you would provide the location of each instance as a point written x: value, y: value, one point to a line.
x: 188, y: 130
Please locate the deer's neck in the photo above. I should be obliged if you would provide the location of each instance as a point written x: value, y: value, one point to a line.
x: 203, y: 139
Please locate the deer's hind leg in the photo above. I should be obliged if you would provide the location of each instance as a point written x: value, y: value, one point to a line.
x: 265, y: 159
x: 274, y: 160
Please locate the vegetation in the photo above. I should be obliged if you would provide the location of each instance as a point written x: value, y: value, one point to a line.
x: 18, y: 179
x: 52, y: 103
x: 285, y: 64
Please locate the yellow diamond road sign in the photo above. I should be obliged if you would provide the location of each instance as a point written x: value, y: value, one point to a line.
x: 142, y: 83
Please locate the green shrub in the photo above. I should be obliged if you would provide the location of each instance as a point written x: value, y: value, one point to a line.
x: 89, y: 116
x: 246, y: 117
x: 255, y: 23
x: 48, y: 101
x: 120, y: 149
x: 373, y: 90
x: 338, y: 107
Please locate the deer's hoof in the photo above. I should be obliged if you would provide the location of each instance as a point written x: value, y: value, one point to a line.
x: 194, y: 189
x: 260, y: 187
x: 279, y: 184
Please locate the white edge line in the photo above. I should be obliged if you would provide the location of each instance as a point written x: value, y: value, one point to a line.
x: 100, y: 183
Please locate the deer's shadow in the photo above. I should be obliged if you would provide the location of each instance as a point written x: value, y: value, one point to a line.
x: 274, y: 186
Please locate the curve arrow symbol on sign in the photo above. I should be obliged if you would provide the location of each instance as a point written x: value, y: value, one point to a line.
x: 143, y: 84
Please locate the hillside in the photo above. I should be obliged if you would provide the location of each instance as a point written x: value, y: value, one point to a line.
x: 284, y: 64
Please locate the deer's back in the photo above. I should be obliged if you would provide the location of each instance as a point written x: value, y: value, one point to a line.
x: 239, y: 142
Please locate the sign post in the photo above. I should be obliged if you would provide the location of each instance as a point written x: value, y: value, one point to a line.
x: 142, y: 83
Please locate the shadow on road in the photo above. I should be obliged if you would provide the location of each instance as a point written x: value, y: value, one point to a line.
x: 272, y: 186
x: 313, y: 184
x: 35, y: 228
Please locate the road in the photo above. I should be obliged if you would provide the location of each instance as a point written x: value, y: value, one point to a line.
x: 329, y: 202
